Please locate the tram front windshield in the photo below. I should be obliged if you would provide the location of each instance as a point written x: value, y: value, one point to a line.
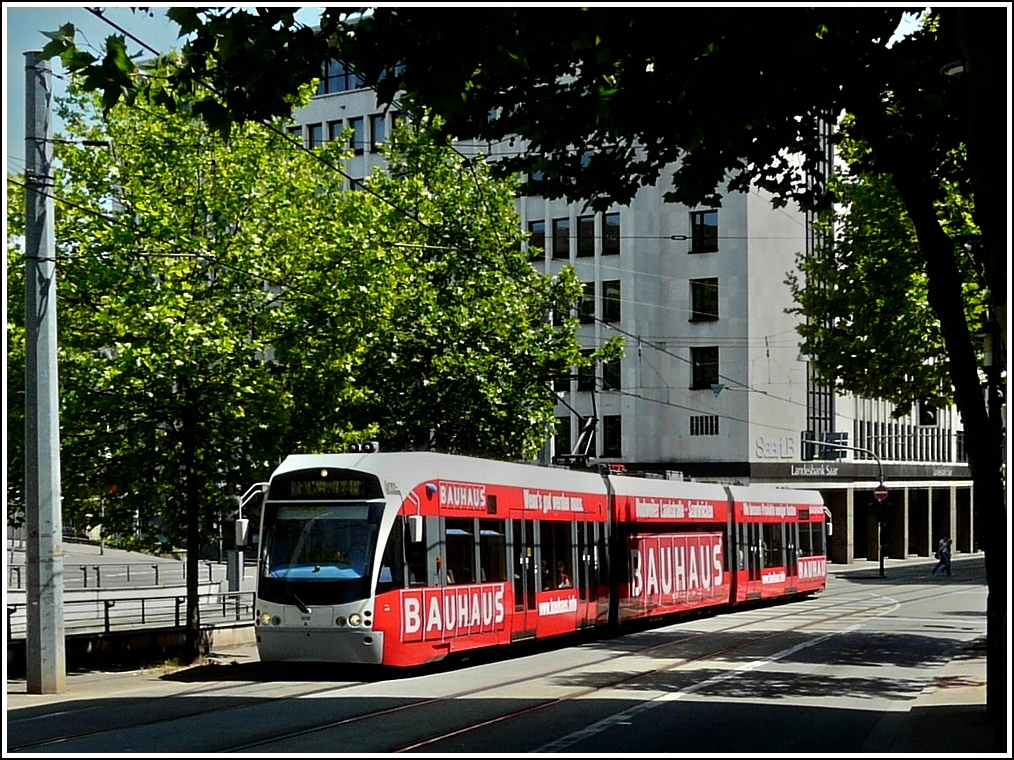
x: 318, y: 553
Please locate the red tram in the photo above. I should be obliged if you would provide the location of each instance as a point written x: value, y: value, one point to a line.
x: 405, y: 558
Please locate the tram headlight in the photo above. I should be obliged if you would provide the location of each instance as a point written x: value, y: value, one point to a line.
x: 355, y: 619
x: 267, y: 618
x: 340, y: 620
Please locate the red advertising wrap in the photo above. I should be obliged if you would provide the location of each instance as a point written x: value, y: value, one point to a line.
x: 404, y: 558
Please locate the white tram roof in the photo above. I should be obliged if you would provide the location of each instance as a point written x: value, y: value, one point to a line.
x: 410, y: 468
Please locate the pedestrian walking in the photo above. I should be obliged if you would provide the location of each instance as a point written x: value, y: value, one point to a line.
x: 943, y: 556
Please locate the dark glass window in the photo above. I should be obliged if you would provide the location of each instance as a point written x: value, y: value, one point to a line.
x: 492, y: 550
x: 296, y: 133
x: 561, y: 441
x: 378, y: 131
x: 586, y: 306
x: 703, y: 231
x: 610, y: 300
x: 705, y: 367
x: 611, y: 376
x: 612, y: 441
x: 315, y: 135
x: 704, y: 300
x: 586, y: 374
x: 335, y: 129
x: 460, y: 551
x: 337, y: 77
x: 561, y: 238
x: 611, y: 234
x: 537, y: 238
x: 586, y: 236
x: 358, y: 140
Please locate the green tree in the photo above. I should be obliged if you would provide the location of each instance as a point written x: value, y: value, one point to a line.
x: 223, y: 304
x: 869, y: 327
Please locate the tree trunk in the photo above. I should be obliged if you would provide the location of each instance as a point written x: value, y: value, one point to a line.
x: 983, y: 435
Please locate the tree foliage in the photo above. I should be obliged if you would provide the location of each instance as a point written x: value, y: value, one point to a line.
x: 869, y: 328
x: 224, y: 304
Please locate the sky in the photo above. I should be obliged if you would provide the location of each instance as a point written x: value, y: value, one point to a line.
x: 24, y: 24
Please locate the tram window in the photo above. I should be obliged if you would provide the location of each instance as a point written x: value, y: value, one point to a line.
x: 772, y: 543
x: 819, y: 548
x: 805, y: 546
x: 556, y: 545
x: 415, y: 558
x: 492, y: 550
x: 392, y: 563
x: 460, y: 550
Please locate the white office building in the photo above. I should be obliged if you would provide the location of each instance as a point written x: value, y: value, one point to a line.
x: 713, y: 385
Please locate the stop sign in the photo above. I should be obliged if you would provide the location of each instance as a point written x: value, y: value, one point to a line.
x: 880, y: 492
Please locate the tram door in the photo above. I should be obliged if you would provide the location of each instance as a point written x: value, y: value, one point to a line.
x: 753, y: 556
x: 791, y: 554
x: 590, y: 599
x: 525, y: 611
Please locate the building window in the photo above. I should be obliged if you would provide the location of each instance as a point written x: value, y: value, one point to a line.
x: 611, y: 234
x: 610, y: 300
x: 537, y: 239
x: 704, y: 424
x: 586, y: 374
x: 315, y: 135
x: 704, y: 300
x: 561, y: 441
x: 705, y: 367
x: 335, y: 129
x: 358, y: 141
x: 337, y: 77
x: 561, y: 238
x: 611, y: 376
x: 612, y: 441
x: 586, y: 236
x: 703, y: 231
x: 355, y: 183
x: 586, y: 306
x: 296, y: 133
x: 378, y: 131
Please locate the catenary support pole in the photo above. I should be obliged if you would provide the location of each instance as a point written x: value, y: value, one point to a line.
x: 46, y: 658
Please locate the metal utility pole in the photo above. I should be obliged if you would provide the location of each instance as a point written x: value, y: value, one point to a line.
x: 46, y: 659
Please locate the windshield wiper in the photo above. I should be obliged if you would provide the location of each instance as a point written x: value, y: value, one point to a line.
x: 299, y: 602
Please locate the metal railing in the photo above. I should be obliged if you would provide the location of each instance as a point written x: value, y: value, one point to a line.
x: 116, y: 575
x: 140, y: 612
